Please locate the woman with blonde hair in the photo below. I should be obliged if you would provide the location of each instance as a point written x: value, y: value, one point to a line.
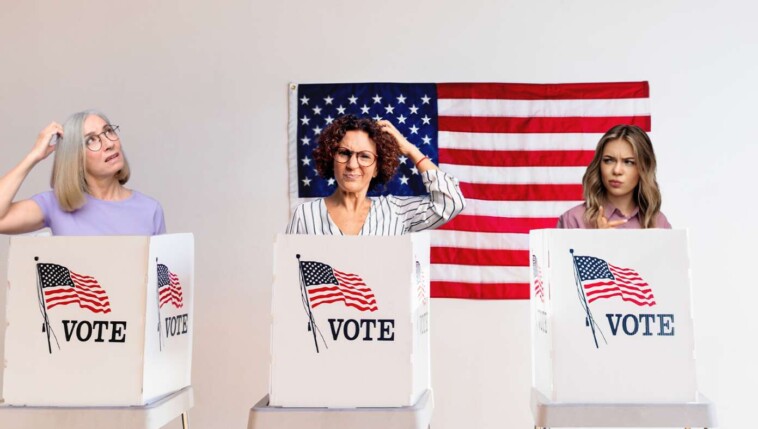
x: 620, y: 189
x: 88, y: 195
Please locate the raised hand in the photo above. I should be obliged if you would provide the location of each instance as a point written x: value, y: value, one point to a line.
x: 42, y: 148
x: 604, y: 223
x: 406, y: 147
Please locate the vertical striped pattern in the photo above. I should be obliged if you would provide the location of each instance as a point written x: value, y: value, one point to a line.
x: 390, y: 215
x: 519, y: 151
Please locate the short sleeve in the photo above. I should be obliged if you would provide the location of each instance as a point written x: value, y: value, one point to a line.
x: 295, y: 224
x: 159, y: 222
x: 561, y: 222
x: 661, y: 221
x: 46, y: 202
x: 572, y: 219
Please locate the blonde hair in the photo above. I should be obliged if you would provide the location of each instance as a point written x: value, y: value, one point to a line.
x: 647, y: 195
x: 68, y: 180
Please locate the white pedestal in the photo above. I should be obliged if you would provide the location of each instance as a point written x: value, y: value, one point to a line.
x: 350, y: 321
x: 418, y: 416
x: 151, y: 416
x: 548, y: 414
x: 101, y: 321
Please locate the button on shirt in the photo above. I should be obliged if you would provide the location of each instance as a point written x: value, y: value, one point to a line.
x: 574, y: 218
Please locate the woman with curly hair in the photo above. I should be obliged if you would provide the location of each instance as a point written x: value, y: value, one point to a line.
x: 361, y: 154
x: 620, y: 189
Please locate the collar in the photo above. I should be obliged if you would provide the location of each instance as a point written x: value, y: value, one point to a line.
x: 610, y: 210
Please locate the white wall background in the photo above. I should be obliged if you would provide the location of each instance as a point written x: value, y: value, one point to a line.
x: 199, y: 89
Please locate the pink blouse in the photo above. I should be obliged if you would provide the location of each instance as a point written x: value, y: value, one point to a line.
x: 574, y: 218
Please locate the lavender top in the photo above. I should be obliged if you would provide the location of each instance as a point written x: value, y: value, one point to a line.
x: 136, y: 215
x: 574, y: 218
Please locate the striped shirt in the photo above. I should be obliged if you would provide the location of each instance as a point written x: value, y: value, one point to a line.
x: 390, y: 215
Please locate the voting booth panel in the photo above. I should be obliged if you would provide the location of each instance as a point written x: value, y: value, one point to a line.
x: 98, y: 321
x: 350, y: 321
x: 611, y: 316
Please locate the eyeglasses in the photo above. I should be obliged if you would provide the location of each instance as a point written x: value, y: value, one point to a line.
x: 95, y: 141
x: 364, y: 157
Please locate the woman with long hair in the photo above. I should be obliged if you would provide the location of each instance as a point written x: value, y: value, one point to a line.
x: 620, y: 189
x: 88, y: 195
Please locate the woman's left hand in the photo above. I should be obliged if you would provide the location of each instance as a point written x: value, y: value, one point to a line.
x: 406, y: 147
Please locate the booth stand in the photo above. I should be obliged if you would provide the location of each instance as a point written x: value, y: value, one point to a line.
x: 98, y: 329
x: 349, y: 333
x: 612, y: 330
x: 548, y: 414
x: 418, y: 416
x: 152, y: 416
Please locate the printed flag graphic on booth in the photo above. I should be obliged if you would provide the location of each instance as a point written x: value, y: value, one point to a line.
x: 326, y: 285
x: 169, y: 288
x: 518, y: 150
x: 603, y: 280
x: 61, y: 286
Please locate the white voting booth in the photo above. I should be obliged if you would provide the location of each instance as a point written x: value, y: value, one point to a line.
x: 611, y: 316
x: 98, y: 321
x: 350, y: 320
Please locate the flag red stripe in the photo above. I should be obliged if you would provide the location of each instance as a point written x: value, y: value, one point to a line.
x: 347, y: 303
x: 624, y: 298
x: 498, y: 224
x: 104, y: 310
x: 516, y: 158
x: 453, y: 289
x: 367, y: 292
x: 61, y: 302
x: 640, y: 295
x: 498, y: 192
x: 482, y: 257
x: 319, y: 293
x: 532, y: 91
x: 562, y: 124
x: 82, y: 303
x: 78, y: 297
x: 362, y: 299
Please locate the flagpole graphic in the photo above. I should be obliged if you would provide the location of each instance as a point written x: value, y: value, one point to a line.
x: 158, y: 304
x: 46, y: 328
x: 306, y: 303
x: 589, y: 320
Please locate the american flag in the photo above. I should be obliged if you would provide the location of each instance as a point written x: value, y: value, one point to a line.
x: 603, y: 280
x: 519, y: 151
x: 326, y: 285
x: 61, y: 286
x: 169, y: 288
x: 539, y: 290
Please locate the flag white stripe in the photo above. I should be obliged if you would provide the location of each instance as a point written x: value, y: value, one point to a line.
x: 543, y: 108
x: 518, y: 141
x: 515, y: 175
x: 478, y: 274
x: 479, y: 240
x: 517, y: 209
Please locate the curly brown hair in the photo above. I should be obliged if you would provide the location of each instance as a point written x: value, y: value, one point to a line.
x: 387, y: 148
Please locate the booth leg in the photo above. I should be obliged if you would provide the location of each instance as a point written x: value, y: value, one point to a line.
x: 185, y: 420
